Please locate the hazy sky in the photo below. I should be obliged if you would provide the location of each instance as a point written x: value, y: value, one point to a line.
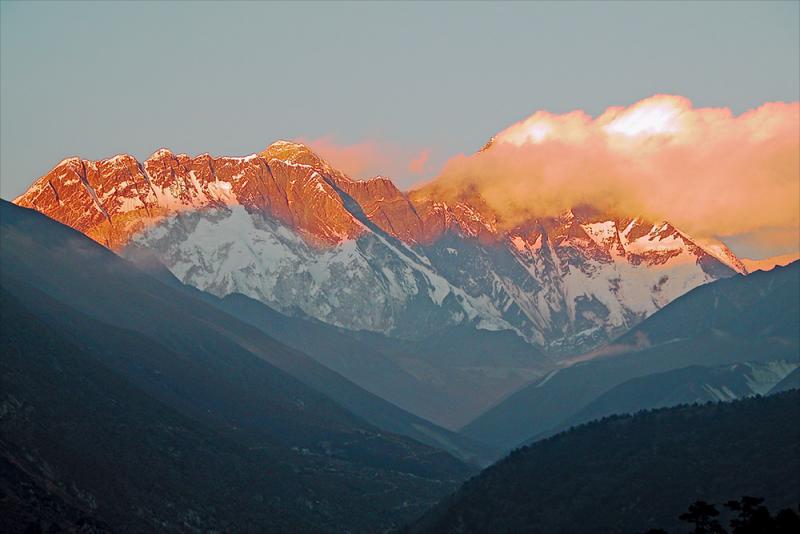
x: 102, y: 78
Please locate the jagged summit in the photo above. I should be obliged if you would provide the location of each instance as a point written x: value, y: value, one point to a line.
x: 161, y: 153
x: 112, y: 199
x: 291, y: 151
x: 287, y: 228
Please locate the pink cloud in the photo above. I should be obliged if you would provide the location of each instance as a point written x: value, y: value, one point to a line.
x: 358, y: 160
x: 417, y: 165
x: 369, y: 158
x: 704, y: 169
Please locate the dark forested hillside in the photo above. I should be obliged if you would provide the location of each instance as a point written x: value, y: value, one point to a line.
x: 633, y: 473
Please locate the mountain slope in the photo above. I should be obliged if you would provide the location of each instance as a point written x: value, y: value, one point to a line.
x: 741, y: 319
x: 96, y: 283
x: 341, y: 351
x: 472, y: 369
x: 286, y: 228
x: 448, y: 378
x: 687, y: 385
x: 82, y: 435
x: 391, y: 371
x: 790, y: 382
x: 79, y: 430
x: 633, y: 473
x: 762, y: 304
x: 338, y: 351
x: 191, y: 359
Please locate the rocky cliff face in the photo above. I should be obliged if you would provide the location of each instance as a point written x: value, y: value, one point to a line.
x: 285, y: 227
x: 111, y: 200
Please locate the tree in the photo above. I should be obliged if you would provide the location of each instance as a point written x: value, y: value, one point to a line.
x: 701, y: 514
x: 752, y: 518
x: 787, y: 521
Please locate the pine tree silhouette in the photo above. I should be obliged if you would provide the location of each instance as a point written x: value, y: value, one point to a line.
x: 752, y: 517
x: 787, y: 521
x: 701, y: 514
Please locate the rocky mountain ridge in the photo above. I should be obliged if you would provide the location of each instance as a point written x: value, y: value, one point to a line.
x: 286, y: 228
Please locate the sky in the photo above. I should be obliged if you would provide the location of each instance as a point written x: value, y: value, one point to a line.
x: 384, y: 88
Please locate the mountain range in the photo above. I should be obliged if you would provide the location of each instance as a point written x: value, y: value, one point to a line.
x: 286, y: 228
x: 374, y: 347
x: 392, y: 271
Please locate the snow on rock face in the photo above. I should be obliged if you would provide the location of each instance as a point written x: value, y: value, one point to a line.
x: 365, y: 283
x: 286, y: 228
x: 742, y: 380
x: 565, y: 289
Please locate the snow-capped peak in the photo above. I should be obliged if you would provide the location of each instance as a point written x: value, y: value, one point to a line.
x: 285, y: 227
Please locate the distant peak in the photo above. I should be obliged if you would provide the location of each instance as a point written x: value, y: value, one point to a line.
x: 287, y: 144
x: 283, y: 149
x: 162, y: 153
x: 378, y: 178
x: 119, y: 158
x: 294, y: 152
x: 68, y: 161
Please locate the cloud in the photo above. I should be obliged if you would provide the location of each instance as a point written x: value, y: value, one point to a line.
x: 418, y: 164
x: 369, y: 158
x: 358, y: 160
x: 704, y: 169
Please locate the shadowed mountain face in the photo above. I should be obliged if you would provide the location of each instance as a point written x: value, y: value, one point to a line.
x: 686, y: 385
x: 421, y: 377
x: 84, y: 437
x: 285, y: 228
x: 634, y: 473
x: 791, y: 381
x: 115, y: 378
x: 449, y: 378
x: 97, y: 283
x: 752, y: 319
